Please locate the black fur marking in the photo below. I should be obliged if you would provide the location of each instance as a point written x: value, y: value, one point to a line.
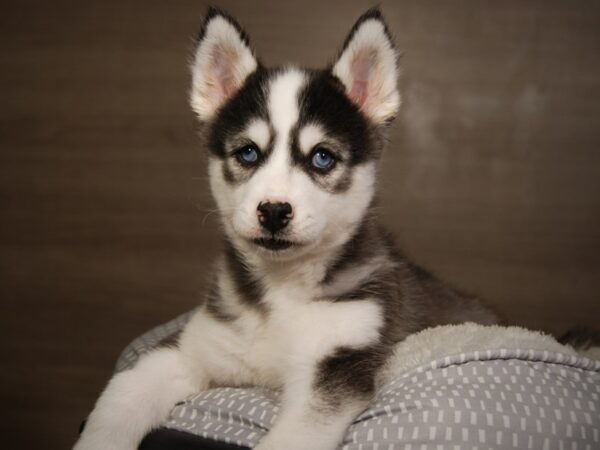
x: 356, y: 249
x: 343, y: 183
x: 171, y: 340
x: 323, y: 101
x: 235, y: 114
x: 216, y: 12
x: 347, y: 373
x: 232, y: 119
x: 377, y: 287
x: 411, y: 299
x: 233, y: 171
x: 581, y: 338
x: 247, y: 286
x: 228, y: 175
x: 214, y: 306
x: 332, y: 181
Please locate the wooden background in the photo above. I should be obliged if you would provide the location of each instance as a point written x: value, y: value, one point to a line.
x: 491, y: 179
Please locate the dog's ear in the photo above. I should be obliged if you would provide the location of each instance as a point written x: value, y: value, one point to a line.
x: 222, y: 61
x: 367, y: 67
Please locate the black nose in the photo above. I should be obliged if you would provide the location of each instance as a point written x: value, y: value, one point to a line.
x: 274, y: 216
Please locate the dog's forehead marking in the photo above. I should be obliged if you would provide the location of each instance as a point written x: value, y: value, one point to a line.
x: 283, y: 103
x: 284, y: 112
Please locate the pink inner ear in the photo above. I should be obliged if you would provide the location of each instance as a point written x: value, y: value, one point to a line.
x: 361, y: 69
x: 222, y: 77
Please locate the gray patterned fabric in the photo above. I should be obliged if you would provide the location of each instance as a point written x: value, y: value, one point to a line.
x: 498, y: 399
x: 150, y: 340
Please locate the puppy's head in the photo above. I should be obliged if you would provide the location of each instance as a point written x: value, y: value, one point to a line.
x: 293, y: 152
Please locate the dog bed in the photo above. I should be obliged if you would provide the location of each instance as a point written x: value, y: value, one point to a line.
x: 450, y: 387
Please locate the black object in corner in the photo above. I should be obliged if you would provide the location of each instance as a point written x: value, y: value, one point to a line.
x: 167, y: 439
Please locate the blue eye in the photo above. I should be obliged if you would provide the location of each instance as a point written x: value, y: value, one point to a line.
x: 323, y: 159
x: 248, y: 155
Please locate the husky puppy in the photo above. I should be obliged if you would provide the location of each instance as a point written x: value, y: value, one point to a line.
x: 310, y: 294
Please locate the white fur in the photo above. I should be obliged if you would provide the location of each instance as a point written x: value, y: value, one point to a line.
x: 278, y: 350
x: 258, y: 131
x: 310, y: 135
x: 283, y: 103
x: 434, y: 343
x: 297, y: 332
x: 136, y: 401
x: 221, y: 64
x: 368, y: 70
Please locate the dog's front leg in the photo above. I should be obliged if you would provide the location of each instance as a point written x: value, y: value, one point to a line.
x: 319, y: 405
x: 308, y: 426
x: 137, y: 400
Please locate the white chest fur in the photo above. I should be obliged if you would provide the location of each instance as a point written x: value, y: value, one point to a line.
x: 294, y: 334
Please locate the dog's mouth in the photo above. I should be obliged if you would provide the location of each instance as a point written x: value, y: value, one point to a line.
x: 273, y: 244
